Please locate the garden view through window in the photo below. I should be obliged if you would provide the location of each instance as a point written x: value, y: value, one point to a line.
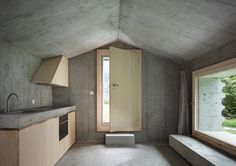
x: 105, y: 90
x: 217, y: 105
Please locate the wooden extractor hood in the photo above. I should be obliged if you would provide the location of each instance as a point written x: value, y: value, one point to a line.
x: 53, y: 71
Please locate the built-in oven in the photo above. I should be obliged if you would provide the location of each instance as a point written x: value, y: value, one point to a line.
x: 63, y: 126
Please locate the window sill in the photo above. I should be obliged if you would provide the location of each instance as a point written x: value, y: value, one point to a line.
x: 221, y: 140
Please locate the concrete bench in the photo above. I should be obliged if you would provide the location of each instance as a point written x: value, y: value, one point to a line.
x: 120, y: 139
x: 198, y: 153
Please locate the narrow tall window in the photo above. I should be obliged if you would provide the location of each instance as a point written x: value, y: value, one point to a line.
x: 105, y: 90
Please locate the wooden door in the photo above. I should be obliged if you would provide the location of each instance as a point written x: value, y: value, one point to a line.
x: 125, y: 90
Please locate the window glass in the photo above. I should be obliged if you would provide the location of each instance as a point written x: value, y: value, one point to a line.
x: 105, y: 90
x: 217, y: 105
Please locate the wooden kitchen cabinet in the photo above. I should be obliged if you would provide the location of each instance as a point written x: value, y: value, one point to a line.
x: 37, y: 145
x: 69, y: 140
x: 9, y: 144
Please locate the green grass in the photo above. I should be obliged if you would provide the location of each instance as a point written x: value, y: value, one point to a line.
x: 231, y: 131
x: 229, y: 123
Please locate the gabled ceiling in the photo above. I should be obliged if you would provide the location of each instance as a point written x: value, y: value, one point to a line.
x: 176, y: 29
x: 59, y: 27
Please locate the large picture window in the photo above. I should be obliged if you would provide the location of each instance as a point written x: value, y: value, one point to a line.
x: 214, y: 95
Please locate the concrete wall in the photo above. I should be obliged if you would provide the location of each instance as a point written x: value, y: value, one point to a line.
x: 16, y: 71
x: 210, y: 107
x: 159, y: 104
x: 218, y: 55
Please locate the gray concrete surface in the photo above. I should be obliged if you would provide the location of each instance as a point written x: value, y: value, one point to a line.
x: 160, y: 89
x: 218, y: 55
x: 179, y: 30
x: 120, y: 139
x: 48, y: 28
x: 210, y: 107
x: 140, y: 155
x: 32, y: 116
x: 198, y: 153
x: 16, y: 72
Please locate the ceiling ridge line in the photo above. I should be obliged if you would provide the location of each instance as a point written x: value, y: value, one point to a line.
x: 119, y: 14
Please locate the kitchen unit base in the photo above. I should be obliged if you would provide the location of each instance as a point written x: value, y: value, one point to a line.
x: 36, y: 145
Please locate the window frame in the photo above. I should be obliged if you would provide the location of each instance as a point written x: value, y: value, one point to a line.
x: 226, y: 65
x: 100, y: 125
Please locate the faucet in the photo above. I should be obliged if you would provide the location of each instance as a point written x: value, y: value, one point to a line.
x: 8, y: 98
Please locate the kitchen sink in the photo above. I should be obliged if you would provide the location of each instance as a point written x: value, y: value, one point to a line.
x: 31, y: 110
x: 26, y: 111
x: 12, y: 112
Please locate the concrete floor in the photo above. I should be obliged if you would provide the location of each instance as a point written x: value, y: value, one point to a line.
x: 140, y: 155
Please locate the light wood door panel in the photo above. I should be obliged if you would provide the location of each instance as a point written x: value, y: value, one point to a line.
x: 71, y: 128
x: 9, y: 151
x: 31, y: 145
x: 38, y: 144
x: 125, y: 90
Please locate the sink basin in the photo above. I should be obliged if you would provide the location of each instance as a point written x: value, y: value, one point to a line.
x: 25, y: 111
x: 31, y: 110
x: 12, y: 112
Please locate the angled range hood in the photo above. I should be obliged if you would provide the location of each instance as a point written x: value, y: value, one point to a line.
x: 53, y: 71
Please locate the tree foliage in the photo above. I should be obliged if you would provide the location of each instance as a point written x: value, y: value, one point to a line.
x: 229, y: 101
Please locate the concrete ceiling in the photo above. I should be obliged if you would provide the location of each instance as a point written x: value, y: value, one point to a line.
x: 47, y: 28
x: 176, y: 29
